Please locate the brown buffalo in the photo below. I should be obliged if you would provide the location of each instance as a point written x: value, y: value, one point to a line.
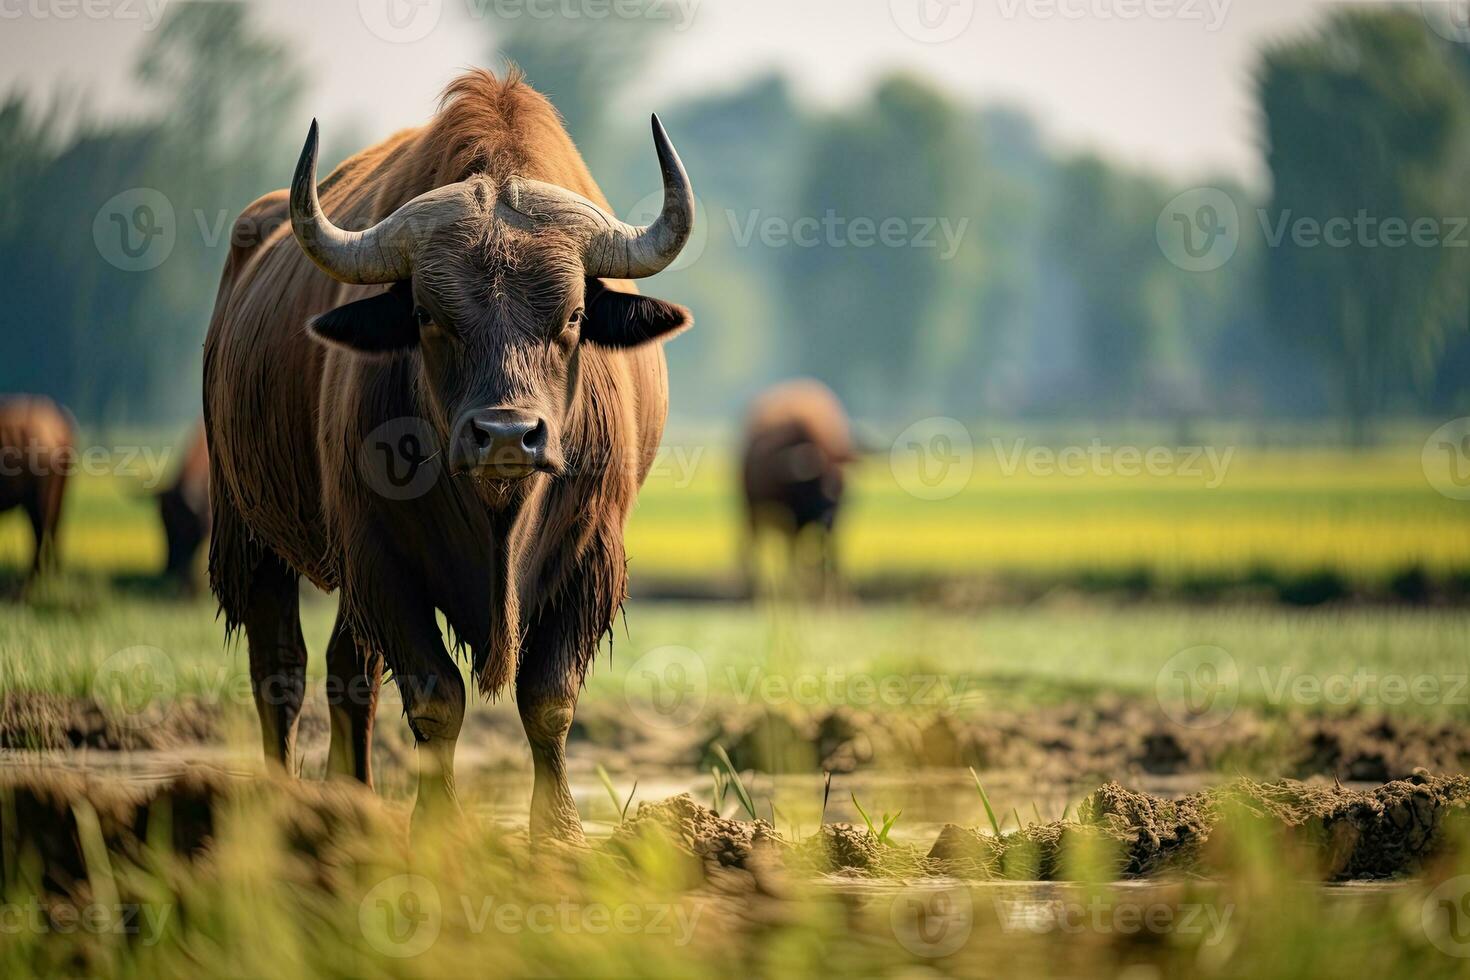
x: 36, y: 447
x: 449, y: 408
x: 183, y: 509
x: 797, y: 442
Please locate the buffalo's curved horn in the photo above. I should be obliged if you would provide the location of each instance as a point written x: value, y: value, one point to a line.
x: 382, y: 253
x: 614, y: 249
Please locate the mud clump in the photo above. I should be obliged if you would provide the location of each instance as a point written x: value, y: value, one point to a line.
x: 700, y: 833
x: 1349, y: 835
x: 50, y: 815
x: 1155, y: 833
x: 1382, y: 833
x: 840, y: 847
x: 966, y: 852
x: 42, y: 720
x: 1039, y: 852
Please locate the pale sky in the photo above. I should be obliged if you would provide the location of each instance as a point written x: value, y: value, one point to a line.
x: 1165, y: 83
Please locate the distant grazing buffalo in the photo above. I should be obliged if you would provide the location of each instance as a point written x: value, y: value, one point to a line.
x: 442, y: 394
x: 36, y: 447
x: 797, y: 442
x: 183, y: 508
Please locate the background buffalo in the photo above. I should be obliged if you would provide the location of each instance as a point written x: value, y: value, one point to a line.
x: 797, y: 443
x: 36, y: 443
x: 183, y: 510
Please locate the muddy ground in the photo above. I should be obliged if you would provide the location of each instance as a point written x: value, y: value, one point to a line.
x: 1092, y: 740
x: 1345, y: 834
x: 1393, y: 815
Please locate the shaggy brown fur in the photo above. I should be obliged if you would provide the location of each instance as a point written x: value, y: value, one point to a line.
x: 797, y: 441
x: 528, y: 574
x: 36, y: 445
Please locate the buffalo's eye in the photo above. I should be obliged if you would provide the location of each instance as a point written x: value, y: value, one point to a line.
x: 573, y: 328
x: 421, y: 317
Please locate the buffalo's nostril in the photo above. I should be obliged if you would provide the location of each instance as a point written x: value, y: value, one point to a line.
x: 534, y: 441
x: 503, y: 440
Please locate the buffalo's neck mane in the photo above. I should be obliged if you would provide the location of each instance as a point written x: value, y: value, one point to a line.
x: 486, y: 126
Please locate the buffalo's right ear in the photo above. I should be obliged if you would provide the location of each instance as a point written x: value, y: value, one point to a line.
x: 381, y: 324
x: 620, y: 320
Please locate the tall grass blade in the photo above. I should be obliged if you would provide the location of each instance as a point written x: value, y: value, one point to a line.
x: 739, y: 786
x: 888, y: 823
x: 985, y: 799
x: 866, y: 819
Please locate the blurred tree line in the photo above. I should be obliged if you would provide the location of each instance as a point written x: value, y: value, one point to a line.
x: 94, y: 321
x: 921, y: 255
x: 1064, y: 300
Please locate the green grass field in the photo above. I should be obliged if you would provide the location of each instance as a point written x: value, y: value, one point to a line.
x: 1364, y: 515
x: 1007, y: 657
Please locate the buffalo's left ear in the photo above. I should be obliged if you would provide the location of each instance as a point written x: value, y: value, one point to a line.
x: 381, y: 324
x: 616, y: 319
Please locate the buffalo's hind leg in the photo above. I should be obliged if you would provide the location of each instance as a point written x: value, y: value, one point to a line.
x: 44, y: 511
x: 277, y: 656
x: 36, y: 514
x: 354, y: 677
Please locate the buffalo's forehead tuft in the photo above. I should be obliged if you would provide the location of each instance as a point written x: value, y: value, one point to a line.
x: 490, y: 276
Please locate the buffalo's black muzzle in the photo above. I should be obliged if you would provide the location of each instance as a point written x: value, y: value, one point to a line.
x: 503, y: 443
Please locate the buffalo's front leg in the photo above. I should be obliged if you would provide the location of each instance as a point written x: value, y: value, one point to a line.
x: 399, y: 620
x: 546, y: 712
x: 433, y: 700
